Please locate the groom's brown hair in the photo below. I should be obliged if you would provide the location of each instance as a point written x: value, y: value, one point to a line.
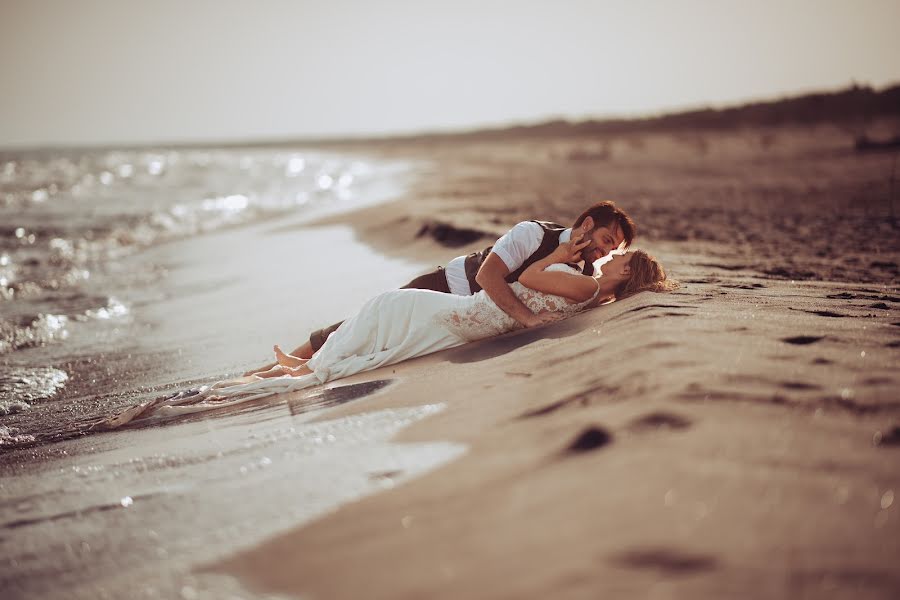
x: 604, y: 214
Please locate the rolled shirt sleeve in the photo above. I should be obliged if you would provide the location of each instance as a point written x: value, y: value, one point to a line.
x: 518, y: 244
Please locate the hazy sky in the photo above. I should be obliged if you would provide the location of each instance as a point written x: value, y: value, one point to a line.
x: 92, y: 71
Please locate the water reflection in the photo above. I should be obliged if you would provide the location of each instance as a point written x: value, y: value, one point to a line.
x: 295, y: 166
x: 67, y: 217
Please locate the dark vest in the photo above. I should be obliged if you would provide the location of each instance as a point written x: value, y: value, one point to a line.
x: 550, y: 241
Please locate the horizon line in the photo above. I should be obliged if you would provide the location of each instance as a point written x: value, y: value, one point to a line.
x: 474, y: 129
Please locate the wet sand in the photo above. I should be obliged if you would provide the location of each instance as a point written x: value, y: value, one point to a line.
x: 739, y: 437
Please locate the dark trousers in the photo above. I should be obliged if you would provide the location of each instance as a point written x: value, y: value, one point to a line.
x: 436, y: 281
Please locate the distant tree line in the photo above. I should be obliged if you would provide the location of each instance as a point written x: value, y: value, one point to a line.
x: 852, y: 108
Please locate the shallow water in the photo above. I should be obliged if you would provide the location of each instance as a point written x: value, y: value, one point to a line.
x: 130, y: 274
x: 104, y: 255
x: 140, y: 513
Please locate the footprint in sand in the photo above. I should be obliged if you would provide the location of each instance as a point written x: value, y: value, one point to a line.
x: 666, y: 560
x: 743, y: 286
x: 652, y: 306
x: 585, y: 397
x: 821, y: 313
x: 594, y: 437
x: 800, y: 385
x: 591, y: 438
x: 660, y: 345
x: 877, y: 381
x: 665, y: 314
x: 659, y: 420
x: 803, y: 340
x: 887, y: 437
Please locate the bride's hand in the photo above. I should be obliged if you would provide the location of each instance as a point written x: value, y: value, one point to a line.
x: 570, y: 252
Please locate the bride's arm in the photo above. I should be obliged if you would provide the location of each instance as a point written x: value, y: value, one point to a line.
x: 568, y: 285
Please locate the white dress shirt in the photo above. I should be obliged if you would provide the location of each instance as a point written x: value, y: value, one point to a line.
x: 513, y: 249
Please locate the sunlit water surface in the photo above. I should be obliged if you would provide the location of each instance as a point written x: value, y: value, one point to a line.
x: 81, y: 267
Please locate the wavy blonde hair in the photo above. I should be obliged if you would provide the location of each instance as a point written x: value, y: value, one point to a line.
x: 647, y: 275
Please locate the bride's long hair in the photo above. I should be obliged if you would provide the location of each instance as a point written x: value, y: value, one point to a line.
x: 647, y: 275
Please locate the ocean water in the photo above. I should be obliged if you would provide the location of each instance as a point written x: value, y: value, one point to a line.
x: 144, y: 514
x: 81, y: 270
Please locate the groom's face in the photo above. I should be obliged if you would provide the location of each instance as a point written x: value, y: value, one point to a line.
x: 604, y: 239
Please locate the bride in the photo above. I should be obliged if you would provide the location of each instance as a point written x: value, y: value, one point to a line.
x: 406, y: 323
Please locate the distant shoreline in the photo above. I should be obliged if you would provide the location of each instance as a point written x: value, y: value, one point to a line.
x: 855, y: 105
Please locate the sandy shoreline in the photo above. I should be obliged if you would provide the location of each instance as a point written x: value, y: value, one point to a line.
x: 719, y: 469
x: 744, y: 429
x: 736, y: 438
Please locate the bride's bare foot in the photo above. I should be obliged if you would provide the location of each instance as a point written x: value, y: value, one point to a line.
x: 259, y: 370
x: 298, y: 371
x: 286, y: 360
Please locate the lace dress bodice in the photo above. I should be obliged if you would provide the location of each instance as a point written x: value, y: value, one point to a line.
x: 480, y: 317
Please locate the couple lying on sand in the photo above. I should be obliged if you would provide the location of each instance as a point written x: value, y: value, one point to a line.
x: 538, y: 272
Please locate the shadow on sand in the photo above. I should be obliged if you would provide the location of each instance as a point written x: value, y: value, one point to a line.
x: 498, y: 346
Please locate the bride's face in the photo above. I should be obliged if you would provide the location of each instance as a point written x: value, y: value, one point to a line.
x: 618, y: 268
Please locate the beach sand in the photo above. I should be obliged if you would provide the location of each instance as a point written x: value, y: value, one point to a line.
x: 739, y: 437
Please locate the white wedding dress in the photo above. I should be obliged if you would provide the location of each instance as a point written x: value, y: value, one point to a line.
x: 389, y: 328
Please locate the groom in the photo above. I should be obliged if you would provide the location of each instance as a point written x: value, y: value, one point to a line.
x: 494, y: 268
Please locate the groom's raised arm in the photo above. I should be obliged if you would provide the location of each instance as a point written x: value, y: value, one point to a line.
x: 492, y: 278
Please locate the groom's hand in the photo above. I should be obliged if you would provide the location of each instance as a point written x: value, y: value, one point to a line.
x: 541, y: 319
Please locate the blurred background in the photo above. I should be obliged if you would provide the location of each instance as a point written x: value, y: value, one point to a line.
x: 104, y: 72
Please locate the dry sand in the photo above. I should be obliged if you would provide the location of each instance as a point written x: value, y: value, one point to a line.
x: 737, y: 438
